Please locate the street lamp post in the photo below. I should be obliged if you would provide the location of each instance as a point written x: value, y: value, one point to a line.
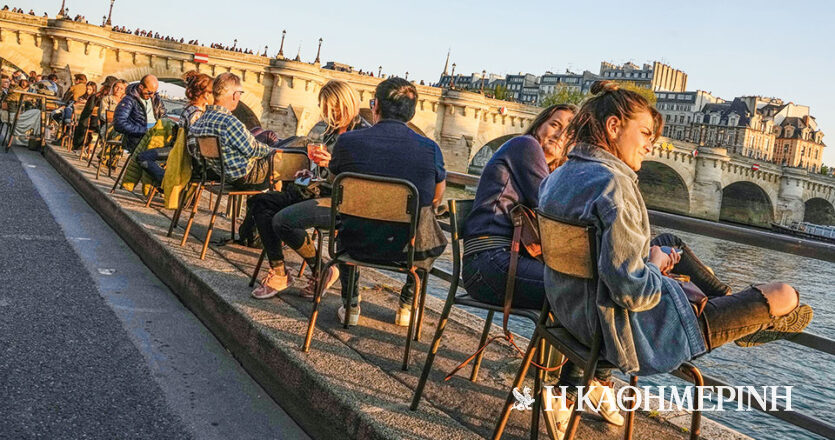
x: 63, y: 8
x: 110, y: 13
x: 407, y: 75
x: 281, y: 49
x: 452, y: 80
x: 318, y: 52
x: 380, y: 72
x: 483, y: 74
x: 266, y: 48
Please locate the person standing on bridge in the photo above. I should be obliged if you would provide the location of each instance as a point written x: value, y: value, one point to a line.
x: 648, y: 324
x: 138, y: 111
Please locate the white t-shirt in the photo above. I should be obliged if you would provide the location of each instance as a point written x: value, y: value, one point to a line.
x: 149, y: 112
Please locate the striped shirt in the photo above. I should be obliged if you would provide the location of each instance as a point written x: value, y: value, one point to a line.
x: 238, y: 147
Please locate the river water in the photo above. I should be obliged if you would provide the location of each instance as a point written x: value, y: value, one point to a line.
x: 773, y: 364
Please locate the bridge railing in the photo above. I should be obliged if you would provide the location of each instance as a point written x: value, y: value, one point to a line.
x: 805, y: 339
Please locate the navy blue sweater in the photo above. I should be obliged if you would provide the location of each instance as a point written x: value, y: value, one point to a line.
x: 511, y: 176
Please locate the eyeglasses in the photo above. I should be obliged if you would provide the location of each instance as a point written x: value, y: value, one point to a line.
x: 238, y: 91
x: 371, y: 102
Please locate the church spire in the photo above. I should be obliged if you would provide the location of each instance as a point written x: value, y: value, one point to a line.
x: 446, y: 65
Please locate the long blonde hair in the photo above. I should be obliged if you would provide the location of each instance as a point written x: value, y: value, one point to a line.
x: 339, y: 104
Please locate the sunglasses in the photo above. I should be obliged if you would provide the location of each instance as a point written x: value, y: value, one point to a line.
x: 238, y: 91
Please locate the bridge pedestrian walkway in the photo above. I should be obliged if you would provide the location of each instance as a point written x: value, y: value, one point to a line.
x: 350, y: 385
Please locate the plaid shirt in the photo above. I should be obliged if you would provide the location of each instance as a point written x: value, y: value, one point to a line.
x: 237, y: 146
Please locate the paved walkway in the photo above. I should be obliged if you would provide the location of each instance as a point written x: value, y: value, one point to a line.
x: 92, y: 344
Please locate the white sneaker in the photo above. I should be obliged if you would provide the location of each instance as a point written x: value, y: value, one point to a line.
x: 355, y: 315
x: 271, y: 285
x: 403, y: 316
x: 556, y: 420
x: 609, y: 408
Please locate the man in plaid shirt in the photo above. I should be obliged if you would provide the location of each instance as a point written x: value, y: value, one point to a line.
x: 246, y: 161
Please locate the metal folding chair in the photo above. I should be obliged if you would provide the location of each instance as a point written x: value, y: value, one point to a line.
x: 458, y: 212
x: 382, y: 199
x: 210, y: 149
x: 571, y: 248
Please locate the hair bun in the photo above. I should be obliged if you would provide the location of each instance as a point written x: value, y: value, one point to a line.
x: 604, y: 86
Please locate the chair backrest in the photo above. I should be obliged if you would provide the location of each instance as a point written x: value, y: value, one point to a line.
x: 292, y: 161
x: 568, y: 247
x: 209, y: 147
x: 459, y: 210
x: 109, y: 116
x: 377, y: 198
x: 77, y: 109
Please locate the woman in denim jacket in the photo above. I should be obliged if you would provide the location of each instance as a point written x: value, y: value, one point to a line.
x: 648, y: 325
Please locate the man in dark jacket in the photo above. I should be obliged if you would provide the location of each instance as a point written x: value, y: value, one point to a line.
x: 138, y: 111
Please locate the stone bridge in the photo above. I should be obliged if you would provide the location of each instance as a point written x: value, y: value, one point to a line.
x: 717, y: 186
x: 281, y: 92
x: 468, y: 126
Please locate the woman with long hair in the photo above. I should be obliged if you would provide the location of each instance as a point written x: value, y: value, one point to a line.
x: 648, y: 325
x: 89, y: 118
x: 512, y: 177
x: 284, y: 217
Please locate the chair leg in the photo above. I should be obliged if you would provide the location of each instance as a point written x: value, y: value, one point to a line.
x: 422, y: 306
x: 212, y: 224
x: 698, y: 380
x: 630, y: 416
x: 151, y: 195
x: 194, y: 206
x: 520, y: 378
x: 537, y: 388
x: 235, y: 200
x: 484, y: 334
x: 430, y: 357
x: 121, y: 173
x: 317, y: 298
x: 413, y: 318
x: 588, y: 375
x: 257, y: 268
x: 93, y: 153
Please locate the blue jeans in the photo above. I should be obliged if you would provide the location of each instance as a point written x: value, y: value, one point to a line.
x: 149, y: 159
x: 485, y: 278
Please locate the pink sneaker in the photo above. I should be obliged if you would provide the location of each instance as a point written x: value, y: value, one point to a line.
x: 271, y: 285
x: 309, y: 290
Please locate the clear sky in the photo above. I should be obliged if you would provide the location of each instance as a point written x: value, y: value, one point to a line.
x: 729, y: 47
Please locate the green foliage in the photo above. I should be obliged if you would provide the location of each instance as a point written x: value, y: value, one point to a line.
x: 564, y: 95
x: 500, y: 92
x: 825, y: 170
x: 647, y: 93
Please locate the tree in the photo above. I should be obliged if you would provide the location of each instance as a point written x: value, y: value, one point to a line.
x: 499, y: 92
x: 825, y: 170
x: 647, y: 93
x: 564, y: 95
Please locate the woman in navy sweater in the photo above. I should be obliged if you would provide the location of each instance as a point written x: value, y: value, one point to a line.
x: 512, y: 176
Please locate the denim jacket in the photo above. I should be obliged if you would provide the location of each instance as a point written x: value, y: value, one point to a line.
x: 647, y: 324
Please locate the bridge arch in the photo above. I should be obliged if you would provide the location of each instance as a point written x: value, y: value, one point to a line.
x: 663, y: 188
x: 14, y: 58
x: 819, y: 211
x: 483, y: 155
x: 747, y: 203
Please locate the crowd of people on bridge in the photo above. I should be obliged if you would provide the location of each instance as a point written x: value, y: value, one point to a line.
x: 574, y: 163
